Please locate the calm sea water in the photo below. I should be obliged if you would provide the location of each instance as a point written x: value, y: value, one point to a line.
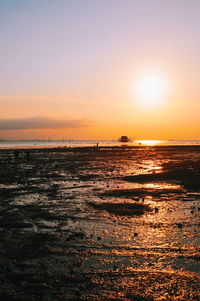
x: 73, y: 143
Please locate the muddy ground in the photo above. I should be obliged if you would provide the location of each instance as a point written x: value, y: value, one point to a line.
x: 117, y: 223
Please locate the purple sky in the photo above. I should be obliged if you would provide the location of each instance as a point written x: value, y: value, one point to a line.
x: 74, y: 59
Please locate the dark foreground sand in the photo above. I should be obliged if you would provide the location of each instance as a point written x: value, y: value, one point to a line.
x: 100, y: 224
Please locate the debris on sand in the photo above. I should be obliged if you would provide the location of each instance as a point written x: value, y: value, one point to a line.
x: 123, y: 209
x: 156, y: 210
x: 187, y: 178
x: 131, y: 192
x: 172, y: 175
x: 179, y: 225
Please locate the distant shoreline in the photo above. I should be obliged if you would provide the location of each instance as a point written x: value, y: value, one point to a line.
x: 52, y: 144
x: 99, y: 148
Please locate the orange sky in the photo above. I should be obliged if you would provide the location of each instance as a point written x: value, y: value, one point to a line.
x: 69, y: 71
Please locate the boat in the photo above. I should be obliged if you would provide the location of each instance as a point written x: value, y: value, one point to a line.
x: 124, y: 139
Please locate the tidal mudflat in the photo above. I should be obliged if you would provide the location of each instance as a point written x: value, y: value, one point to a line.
x: 112, y: 223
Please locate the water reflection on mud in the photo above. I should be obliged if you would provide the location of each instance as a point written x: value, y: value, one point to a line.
x: 100, y: 224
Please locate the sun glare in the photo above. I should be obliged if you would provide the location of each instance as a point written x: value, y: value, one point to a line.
x: 150, y: 142
x: 151, y: 89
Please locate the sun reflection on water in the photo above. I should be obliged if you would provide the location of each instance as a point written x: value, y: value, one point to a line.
x: 150, y: 142
x: 162, y: 186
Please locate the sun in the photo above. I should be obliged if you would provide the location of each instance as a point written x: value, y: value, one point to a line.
x: 151, y: 88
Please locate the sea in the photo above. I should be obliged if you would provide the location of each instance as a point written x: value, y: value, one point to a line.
x: 5, y: 144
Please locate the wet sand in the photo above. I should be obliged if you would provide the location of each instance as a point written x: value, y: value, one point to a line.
x: 110, y: 223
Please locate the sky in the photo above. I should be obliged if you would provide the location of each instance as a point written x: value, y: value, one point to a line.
x: 72, y: 69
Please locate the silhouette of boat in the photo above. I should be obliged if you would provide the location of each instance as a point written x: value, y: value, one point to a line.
x: 124, y: 139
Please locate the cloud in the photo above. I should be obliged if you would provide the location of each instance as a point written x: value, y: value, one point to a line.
x: 41, y: 122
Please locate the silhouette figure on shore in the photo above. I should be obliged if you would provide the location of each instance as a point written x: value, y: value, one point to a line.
x: 16, y: 154
x: 28, y: 155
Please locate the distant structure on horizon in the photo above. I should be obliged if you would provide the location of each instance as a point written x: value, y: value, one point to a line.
x: 124, y: 139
